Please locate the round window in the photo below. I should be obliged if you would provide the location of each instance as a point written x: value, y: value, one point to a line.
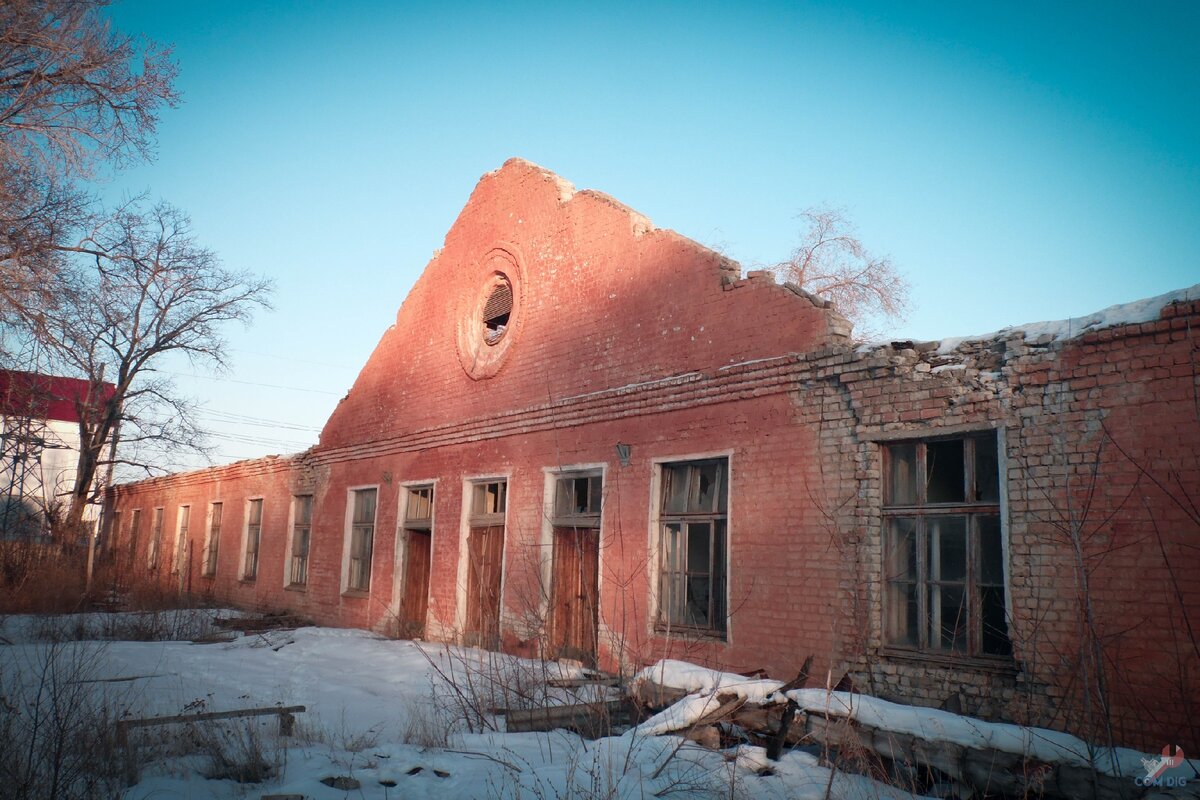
x: 490, y: 311
x: 497, y: 310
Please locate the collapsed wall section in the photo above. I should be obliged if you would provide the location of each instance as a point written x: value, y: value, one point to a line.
x: 1100, y: 476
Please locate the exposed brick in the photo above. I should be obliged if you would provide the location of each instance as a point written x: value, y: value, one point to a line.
x: 626, y: 333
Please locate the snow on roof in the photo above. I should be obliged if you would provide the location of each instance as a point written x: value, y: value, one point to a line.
x: 1145, y: 310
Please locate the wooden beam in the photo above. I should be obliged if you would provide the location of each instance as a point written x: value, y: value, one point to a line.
x: 587, y: 719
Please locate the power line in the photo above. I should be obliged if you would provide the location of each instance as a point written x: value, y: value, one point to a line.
x: 289, y: 358
x: 258, y: 422
x: 251, y: 383
x: 260, y: 440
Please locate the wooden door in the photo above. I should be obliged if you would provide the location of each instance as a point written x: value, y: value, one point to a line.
x: 485, y: 552
x: 574, y: 594
x: 415, y: 603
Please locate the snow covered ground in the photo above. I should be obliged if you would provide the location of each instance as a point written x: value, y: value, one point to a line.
x: 374, y: 707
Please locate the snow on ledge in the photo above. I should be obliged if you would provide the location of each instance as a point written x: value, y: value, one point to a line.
x: 942, y: 726
x: 930, y: 724
x: 1145, y: 310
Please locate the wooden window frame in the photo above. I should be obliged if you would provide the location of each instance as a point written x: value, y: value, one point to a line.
x: 154, y: 548
x: 113, y: 540
x: 135, y: 525
x: 360, y: 530
x: 973, y: 511
x: 716, y: 516
x: 252, y: 533
x: 212, y: 539
x: 296, y: 568
x: 564, y: 517
x: 183, y: 523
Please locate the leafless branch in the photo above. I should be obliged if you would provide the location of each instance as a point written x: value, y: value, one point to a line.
x: 832, y: 263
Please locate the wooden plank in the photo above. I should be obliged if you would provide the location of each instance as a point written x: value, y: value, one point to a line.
x: 124, y: 725
x: 285, y: 714
x: 576, y: 683
x: 656, y: 696
x: 728, y: 703
x: 587, y: 719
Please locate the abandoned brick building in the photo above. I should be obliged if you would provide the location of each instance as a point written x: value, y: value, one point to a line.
x: 589, y: 437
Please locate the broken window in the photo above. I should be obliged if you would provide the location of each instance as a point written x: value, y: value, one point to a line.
x: 114, y: 534
x: 497, y: 309
x: 185, y: 514
x: 692, y: 564
x: 943, y: 550
x: 301, y: 533
x: 362, y: 535
x: 577, y: 501
x: 135, y: 528
x: 213, y: 544
x: 418, y: 513
x: 253, y: 537
x: 155, y: 540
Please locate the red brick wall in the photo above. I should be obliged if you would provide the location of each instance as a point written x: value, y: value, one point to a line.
x: 1101, y: 435
x: 607, y: 301
x: 634, y: 335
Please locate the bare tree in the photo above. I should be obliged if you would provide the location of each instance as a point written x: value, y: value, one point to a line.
x: 143, y: 290
x: 832, y: 263
x: 106, y: 294
x: 75, y: 96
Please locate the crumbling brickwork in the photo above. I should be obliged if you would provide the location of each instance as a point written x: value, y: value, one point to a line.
x: 625, y: 352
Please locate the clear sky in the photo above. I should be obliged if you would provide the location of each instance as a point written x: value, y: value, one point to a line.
x: 1018, y: 161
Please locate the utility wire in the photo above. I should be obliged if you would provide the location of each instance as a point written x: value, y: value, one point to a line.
x: 251, y: 383
x: 289, y: 358
x: 233, y: 419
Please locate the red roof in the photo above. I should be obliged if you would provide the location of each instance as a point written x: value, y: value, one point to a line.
x: 29, y: 394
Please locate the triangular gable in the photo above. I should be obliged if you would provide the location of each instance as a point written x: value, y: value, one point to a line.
x: 600, y: 299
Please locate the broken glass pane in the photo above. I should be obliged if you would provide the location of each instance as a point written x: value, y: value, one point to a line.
x: 902, y: 614
x: 987, y: 470
x: 902, y: 549
x: 707, y: 483
x: 697, y: 548
x: 991, y: 551
x: 420, y: 503
x: 995, y: 621
x: 672, y: 552
x: 950, y: 610
x: 675, y: 489
x: 944, y: 476
x: 699, y: 591
x: 947, y: 537
x: 902, y: 485
x: 488, y: 498
x: 718, y: 575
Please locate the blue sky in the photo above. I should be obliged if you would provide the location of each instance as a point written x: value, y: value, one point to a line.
x: 1019, y: 162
